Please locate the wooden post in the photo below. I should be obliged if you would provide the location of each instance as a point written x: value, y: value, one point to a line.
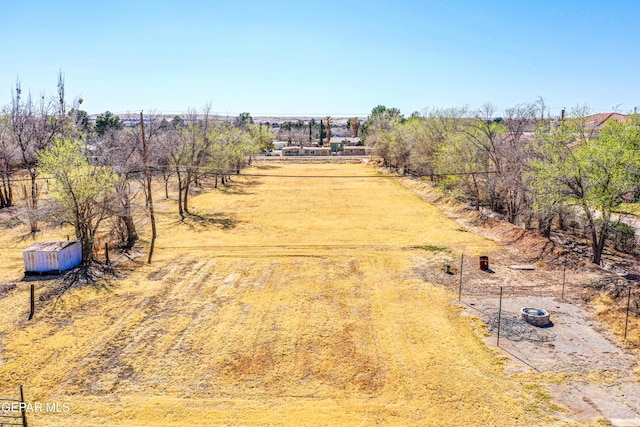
x: 499, y: 317
x: 626, y: 322
x: 564, y: 275
x: 148, y: 174
x: 24, y: 416
x: 33, y: 304
x: 460, y: 285
x: 106, y: 252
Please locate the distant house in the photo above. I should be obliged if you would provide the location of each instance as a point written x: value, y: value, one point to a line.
x: 278, y: 145
x: 350, y: 141
x: 592, y: 125
x: 316, y: 151
x: 599, y: 121
x: 357, y: 150
x: 52, y: 257
x: 291, y: 151
x: 336, y: 146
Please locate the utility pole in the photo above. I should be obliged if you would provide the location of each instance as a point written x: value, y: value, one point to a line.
x: 147, y: 171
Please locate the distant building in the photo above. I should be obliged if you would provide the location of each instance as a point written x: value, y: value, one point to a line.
x: 596, y: 122
x: 356, y: 150
x: 591, y: 126
x: 316, y: 151
x: 291, y: 151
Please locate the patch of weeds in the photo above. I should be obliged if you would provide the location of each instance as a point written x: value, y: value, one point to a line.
x: 431, y: 248
x: 462, y: 230
x: 542, y: 399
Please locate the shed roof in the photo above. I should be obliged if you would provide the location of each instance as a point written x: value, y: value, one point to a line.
x: 50, y: 246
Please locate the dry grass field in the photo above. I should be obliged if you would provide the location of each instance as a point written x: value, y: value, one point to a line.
x: 284, y: 300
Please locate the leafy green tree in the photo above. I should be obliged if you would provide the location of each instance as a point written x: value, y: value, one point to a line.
x: 380, y: 119
x: 548, y: 195
x: 261, y: 137
x: 323, y: 132
x: 243, y: 121
x: 440, y: 126
x: 177, y: 122
x: 81, y: 120
x: 594, y: 175
x: 107, y: 121
x: 82, y: 191
x: 312, y: 126
x: 463, y: 164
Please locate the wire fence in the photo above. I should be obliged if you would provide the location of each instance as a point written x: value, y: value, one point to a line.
x: 483, y: 290
x: 514, y: 328
x: 12, y: 411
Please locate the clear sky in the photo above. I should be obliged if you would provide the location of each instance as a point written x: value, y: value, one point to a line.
x: 328, y: 57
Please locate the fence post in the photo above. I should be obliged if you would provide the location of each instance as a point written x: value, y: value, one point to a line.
x: 499, y: 317
x: 460, y: 285
x: 106, y: 251
x: 33, y: 303
x: 564, y: 274
x: 626, y: 322
x: 22, y: 407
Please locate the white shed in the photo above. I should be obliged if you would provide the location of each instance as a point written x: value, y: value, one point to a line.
x: 52, y: 257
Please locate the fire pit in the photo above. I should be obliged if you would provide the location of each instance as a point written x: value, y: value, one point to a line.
x: 535, y: 316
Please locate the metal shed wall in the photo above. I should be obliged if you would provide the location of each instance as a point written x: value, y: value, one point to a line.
x: 52, y: 256
x: 70, y: 257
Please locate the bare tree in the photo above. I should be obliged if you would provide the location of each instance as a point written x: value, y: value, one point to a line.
x: 161, y: 149
x: 119, y: 150
x: 512, y: 187
x: 33, y: 126
x: 354, y: 124
x: 295, y: 133
x: 327, y: 124
x: 191, y: 152
x: 8, y: 151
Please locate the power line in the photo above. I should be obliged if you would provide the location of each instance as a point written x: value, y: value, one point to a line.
x: 208, y: 172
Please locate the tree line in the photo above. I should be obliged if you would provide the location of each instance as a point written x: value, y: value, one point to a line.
x: 315, y: 132
x: 94, y: 173
x: 534, y: 170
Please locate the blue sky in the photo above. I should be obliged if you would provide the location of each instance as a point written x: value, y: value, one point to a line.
x: 319, y: 58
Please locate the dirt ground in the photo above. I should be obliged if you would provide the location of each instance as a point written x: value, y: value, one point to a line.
x: 583, y: 365
x: 292, y: 301
x: 594, y: 377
